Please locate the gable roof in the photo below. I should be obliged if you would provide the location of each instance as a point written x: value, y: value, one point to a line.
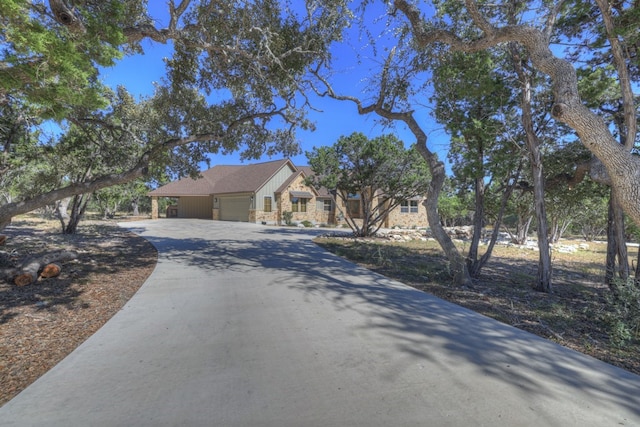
x: 250, y: 178
x: 292, y: 178
x: 223, y: 179
x: 322, y: 192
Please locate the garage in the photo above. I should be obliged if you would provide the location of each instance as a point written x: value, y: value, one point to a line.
x: 195, y: 207
x: 235, y: 208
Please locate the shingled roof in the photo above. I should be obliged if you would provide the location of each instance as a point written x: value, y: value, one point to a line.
x: 322, y: 192
x: 224, y: 179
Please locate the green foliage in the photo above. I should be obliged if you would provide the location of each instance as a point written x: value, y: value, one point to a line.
x: 624, y: 314
x: 233, y: 82
x: 379, y: 172
x: 49, y: 66
x: 287, y: 217
x: 307, y: 223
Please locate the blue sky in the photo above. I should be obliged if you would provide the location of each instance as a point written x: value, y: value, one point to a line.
x: 138, y: 73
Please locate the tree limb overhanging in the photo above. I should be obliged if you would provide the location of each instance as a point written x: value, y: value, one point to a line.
x: 623, y: 168
x: 140, y: 169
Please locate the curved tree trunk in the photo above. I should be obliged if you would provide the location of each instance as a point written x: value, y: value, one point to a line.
x: 457, y: 264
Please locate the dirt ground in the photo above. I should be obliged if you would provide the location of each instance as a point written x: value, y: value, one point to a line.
x: 41, y: 323
x: 576, y: 315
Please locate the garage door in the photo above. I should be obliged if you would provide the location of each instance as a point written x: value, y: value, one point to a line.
x: 234, y: 208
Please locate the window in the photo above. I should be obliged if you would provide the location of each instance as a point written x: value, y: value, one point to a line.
x: 327, y: 206
x: 409, y: 206
x: 353, y: 208
x: 298, y: 204
x: 267, y: 204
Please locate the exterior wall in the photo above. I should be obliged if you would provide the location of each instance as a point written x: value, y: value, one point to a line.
x: 284, y: 202
x: 271, y: 218
x: 396, y: 217
x: 410, y: 219
x: 195, y: 207
x: 322, y: 216
x: 271, y: 186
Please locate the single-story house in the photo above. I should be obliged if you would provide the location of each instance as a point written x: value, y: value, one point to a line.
x: 261, y: 193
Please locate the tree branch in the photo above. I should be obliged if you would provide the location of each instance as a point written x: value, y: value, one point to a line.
x: 622, y: 167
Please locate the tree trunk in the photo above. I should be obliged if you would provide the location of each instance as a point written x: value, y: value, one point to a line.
x: 617, y: 262
x: 62, y: 211
x: 506, y: 195
x: 78, y: 207
x: 457, y: 264
x: 473, y: 263
x: 522, y: 230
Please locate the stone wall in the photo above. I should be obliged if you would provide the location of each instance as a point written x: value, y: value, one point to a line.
x: 397, y: 218
x: 284, y: 202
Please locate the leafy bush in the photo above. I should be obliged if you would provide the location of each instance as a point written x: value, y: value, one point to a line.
x: 624, y: 316
x: 307, y: 223
x: 287, y: 217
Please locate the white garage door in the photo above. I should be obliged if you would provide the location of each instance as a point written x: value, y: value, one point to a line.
x: 235, y: 208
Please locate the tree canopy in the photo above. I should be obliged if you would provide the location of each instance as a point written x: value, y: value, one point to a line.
x: 235, y: 82
x: 379, y: 173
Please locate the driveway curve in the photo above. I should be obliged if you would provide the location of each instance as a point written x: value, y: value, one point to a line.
x: 247, y: 325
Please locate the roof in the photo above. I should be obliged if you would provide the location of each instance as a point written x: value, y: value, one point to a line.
x: 322, y: 192
x: 301, y: 194
x: 224, y: 179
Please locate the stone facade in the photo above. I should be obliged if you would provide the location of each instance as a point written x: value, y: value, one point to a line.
x: 304, y: 209
x: 411, y: 215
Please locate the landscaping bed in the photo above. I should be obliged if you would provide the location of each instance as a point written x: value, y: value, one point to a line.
x: 43, y: 322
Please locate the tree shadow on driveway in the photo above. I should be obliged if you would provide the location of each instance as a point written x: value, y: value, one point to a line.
x: 420, y: 325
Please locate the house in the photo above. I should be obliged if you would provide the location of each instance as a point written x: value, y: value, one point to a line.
x: 261, y: 193
x: 250, y: 193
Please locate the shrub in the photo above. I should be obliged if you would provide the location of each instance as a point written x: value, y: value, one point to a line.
x: 307, y: 223
x: 287, y: 217
x: 624, y: 315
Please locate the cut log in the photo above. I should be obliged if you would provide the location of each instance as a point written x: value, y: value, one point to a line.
x: 24, y: 279
x: 28, y: 273
x: 51, y: 270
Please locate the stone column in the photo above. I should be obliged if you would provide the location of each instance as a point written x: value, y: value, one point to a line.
x: 154, y: 207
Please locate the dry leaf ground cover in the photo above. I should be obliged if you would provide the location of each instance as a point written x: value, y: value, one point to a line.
x: 41, y: 323
x: 575, y: 315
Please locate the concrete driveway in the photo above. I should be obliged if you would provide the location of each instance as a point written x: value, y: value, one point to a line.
x: 246, y: 325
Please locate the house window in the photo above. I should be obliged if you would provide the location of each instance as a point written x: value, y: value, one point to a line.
x: 353, y: 208
x: 298, y: 204
x: 327, y: 206
x: 267, y: 204
x: 409, y: 206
